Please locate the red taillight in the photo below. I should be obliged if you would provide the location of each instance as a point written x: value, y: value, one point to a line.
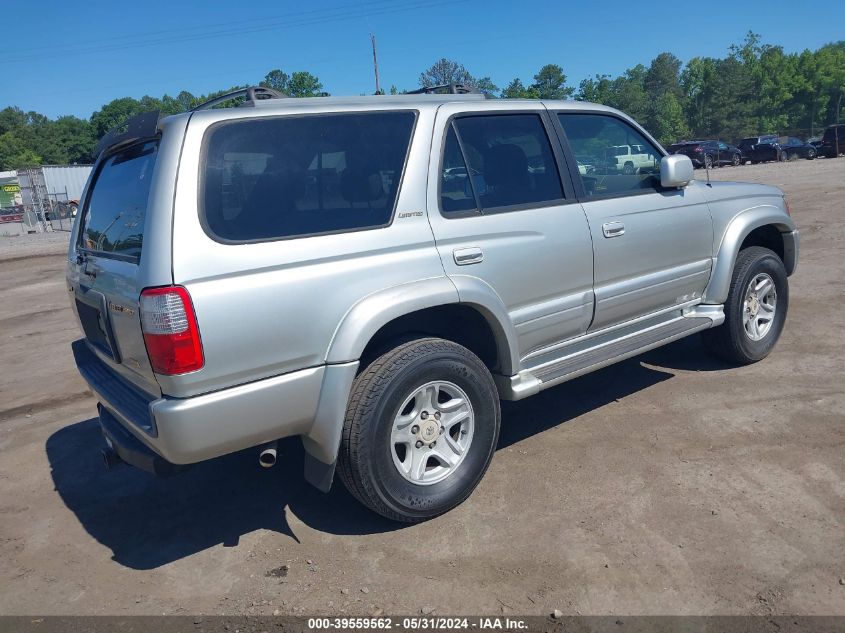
x: 170, y: 330
x: 697, y: 149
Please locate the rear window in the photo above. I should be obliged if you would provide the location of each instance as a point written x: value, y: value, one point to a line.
x: 284, y: 177
x: 113, y: 221
x: 831, y: 132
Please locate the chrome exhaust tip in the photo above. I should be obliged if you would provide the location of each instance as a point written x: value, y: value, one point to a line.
x: 267, y: 456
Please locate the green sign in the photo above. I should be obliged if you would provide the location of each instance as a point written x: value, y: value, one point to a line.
x: 9, y: 190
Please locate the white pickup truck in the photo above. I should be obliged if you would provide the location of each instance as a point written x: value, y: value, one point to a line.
x: 630, y: 159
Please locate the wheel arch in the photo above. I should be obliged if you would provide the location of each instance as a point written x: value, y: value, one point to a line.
x: 766, y: 226
x: 456, y: 309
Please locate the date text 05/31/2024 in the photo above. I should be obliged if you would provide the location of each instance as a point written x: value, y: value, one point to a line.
x: 418, y: 623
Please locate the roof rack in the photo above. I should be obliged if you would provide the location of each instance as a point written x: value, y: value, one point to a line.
x: 450, y: 88
x: 252, y: 94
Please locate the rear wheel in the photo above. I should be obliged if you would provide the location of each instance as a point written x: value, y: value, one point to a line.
x: 628, y: 169
x: 755, y: 310
x: 421, y: 428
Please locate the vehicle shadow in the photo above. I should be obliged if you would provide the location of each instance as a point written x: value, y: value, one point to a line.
x: 148, y: 522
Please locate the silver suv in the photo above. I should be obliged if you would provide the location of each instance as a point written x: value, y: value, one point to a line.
x: 374, y: 274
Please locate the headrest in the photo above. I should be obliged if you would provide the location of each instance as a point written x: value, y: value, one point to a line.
x: 505, y: 165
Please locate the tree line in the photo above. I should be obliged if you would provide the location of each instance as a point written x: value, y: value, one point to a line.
x: 755, y: 88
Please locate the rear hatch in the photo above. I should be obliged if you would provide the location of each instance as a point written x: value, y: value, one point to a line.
x: 105, y: 272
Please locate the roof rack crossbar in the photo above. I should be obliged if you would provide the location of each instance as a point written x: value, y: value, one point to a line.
x: 252, y: 94
x: 450, y: 88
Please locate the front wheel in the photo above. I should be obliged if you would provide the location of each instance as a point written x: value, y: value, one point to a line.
x: 811, y: 154
x: 755, y: 310
x: 735, y: 160
x: 420, y: 431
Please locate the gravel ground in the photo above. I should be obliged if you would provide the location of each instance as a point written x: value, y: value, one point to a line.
x: 29, y: 245
x: 668, y: 484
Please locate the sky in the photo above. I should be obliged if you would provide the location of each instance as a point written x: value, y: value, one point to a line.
x: 87, y: 53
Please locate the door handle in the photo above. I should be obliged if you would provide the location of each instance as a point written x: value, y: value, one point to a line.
x: 466, y: 256
x: 613, y: 229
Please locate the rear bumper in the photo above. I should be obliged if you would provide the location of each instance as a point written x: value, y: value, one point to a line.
x: 189, y: 430
x: 131, y: 450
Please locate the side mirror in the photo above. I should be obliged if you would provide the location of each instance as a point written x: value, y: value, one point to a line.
x: 675, y: 171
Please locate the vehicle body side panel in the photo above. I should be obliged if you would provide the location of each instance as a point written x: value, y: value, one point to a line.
x: 283, y: 300
x: 663, y: 258
x: 537, y: 262
x: 738, y: 209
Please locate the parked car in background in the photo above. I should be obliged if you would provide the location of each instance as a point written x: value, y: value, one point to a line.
x: 833, y: 141
x: 771, y: 150
x: 746, y: 145
x: 796, y: 148
x: 629, y: 159
x: 815, y: 141
x: 708, y: 153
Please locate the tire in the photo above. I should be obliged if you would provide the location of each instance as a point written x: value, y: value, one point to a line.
x: 732, y: 341
x: 403, y: 380
x: 628, y: 169
x: 708, y: 161
x: 811, y: 154
x: 735, y: 161
x: 755, y: 162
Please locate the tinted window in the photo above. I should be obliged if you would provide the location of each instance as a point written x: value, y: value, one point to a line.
x: 114, y: 218
x: 614, y: 170
x: 455, y: 188
x: 292, y: 176
x: 509, y: 159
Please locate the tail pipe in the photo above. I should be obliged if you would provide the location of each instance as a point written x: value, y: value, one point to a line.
x: 110, y: 458
x: 267, y: 456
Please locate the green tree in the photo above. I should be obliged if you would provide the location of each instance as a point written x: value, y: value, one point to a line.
x: 15, y: 152
x: 446, y: 71
x: 550, y: 83
x: 304, y: 84
x: 596, y: 90
x: 277, y: 80
x: 515, y: 90
x: 114, y: 113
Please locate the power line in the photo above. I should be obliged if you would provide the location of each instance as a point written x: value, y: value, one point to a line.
x: 265, y: 25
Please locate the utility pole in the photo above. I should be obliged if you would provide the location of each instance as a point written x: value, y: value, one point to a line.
x: 375, y: 63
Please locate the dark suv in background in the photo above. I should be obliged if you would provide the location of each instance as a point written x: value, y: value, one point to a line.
x: 747, y: 145
x: 708, y: 153
x: 833, y: 141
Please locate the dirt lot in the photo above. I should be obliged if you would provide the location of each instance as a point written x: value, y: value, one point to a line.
x: 669, y: 484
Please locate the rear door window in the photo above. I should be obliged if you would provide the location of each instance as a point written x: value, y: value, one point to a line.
x: 113, y: 220
x: 276, y: 178
x: 509, y: 162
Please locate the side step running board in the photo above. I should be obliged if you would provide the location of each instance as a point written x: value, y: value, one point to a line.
x: 576, y: 364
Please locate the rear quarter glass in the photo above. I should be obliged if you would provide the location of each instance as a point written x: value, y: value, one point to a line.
x: 275, y: 178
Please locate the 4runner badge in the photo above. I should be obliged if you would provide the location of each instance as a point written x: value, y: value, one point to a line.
x: 122, y: 309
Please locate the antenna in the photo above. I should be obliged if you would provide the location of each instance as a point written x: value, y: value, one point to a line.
x: 375, y: 63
